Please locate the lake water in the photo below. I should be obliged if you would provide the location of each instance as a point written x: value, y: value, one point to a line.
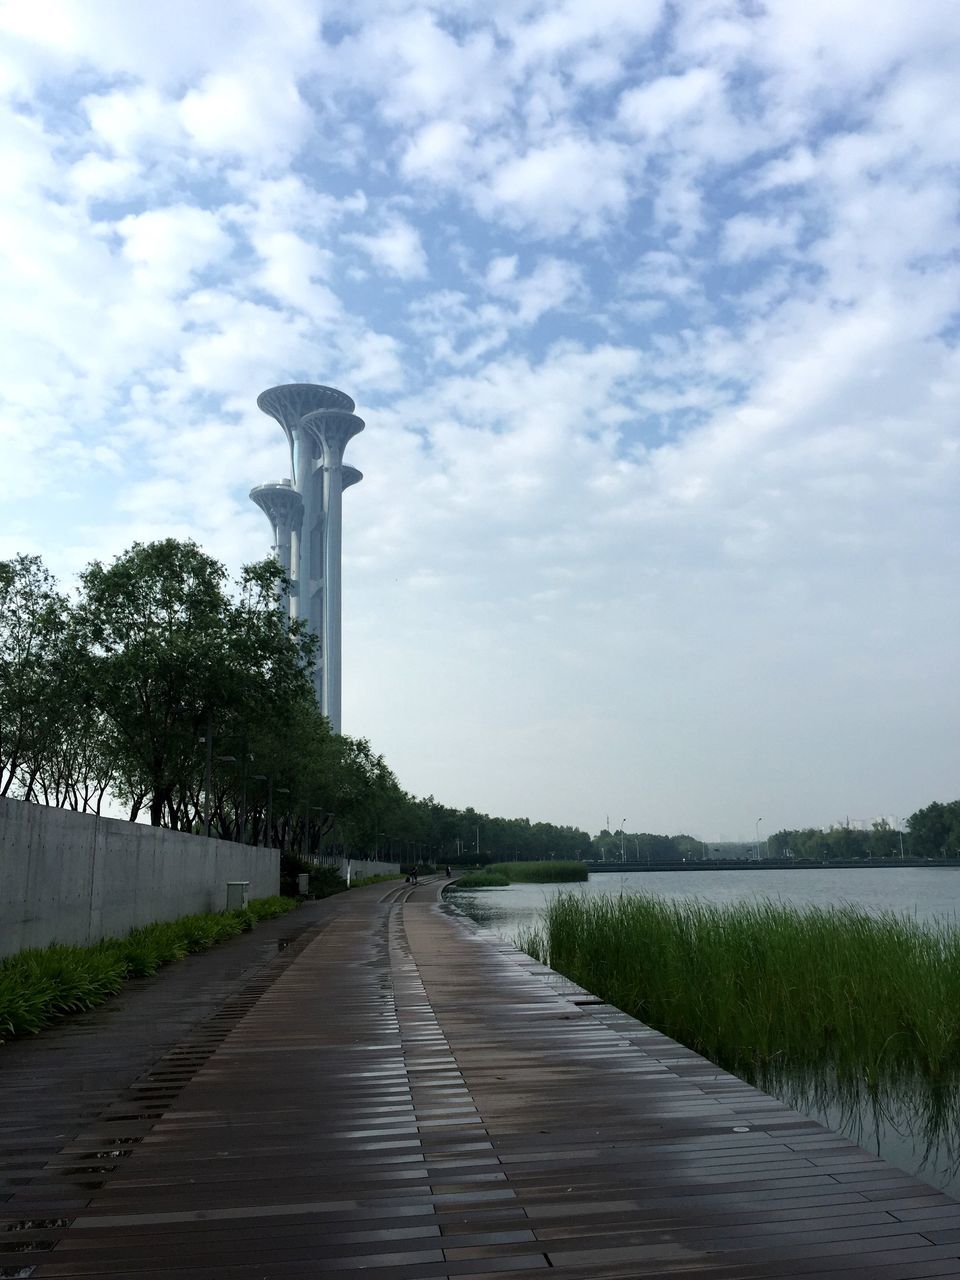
x: 928, y: 1147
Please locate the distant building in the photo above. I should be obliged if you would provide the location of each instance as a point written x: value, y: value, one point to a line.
x: 305, y: 515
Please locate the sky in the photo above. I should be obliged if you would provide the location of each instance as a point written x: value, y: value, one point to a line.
x: 650, y: 309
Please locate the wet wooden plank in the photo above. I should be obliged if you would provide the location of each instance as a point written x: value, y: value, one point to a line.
x: 403, y: 1098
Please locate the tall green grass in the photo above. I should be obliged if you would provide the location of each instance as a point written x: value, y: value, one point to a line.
x: 499, y: 874
x: 40, y: 985
x: 766, y: 989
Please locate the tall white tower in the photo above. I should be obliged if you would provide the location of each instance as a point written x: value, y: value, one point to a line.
x: 305, y: 513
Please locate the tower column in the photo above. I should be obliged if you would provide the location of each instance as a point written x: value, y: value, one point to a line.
x: 318, y: 422
x: 332, y: 430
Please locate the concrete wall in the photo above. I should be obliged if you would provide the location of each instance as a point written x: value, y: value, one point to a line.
x: 360, y: 867
x: 74, y: 877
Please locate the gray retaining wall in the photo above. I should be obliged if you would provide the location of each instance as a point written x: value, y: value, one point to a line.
x: 74, y: 877
x: 368, y: 867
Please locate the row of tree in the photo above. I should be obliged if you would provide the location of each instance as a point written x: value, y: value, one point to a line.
x: 932, y: 832
x: 160, y: 685
x: 643, y: 847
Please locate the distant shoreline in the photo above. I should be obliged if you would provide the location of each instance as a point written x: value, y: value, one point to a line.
x: 778, y: 864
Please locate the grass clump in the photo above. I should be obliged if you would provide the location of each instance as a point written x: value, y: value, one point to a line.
x: 764, y: 988
x: 482, y: 880
x: 559, y: 872
x: 40, y: 985
x: 500, y: 874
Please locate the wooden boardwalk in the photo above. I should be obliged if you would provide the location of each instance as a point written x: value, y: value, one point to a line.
x: 394, y: 1095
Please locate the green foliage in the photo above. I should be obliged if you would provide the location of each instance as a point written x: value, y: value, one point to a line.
x: 932, y: 832
x: 642, y: 846
x: 38, y: 677
x: 39, y: 986
x: 360, y: 881
x: 500, y: 874
x: 169, y: 650
x: 323, y: 881
x: 482, y: 880
x: 766, y: 987
x: 540, y: 872
x: 112, y: 696
x: 935, y: 831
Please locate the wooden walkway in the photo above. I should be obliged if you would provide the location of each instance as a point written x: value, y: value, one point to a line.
x: 393, y: 1094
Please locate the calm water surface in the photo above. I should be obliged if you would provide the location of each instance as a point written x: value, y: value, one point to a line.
x: 924, y: 1145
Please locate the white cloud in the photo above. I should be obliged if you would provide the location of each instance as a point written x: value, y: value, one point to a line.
x: 167, y: 247
x: 564, y: 29
x: 94, y: 177
x: 553, y: 283
x: 747, y: 236
x: 248, y: 113
x: 658, y: 107
x: 443, y: 211
x: 396, y: 248
x: 436, y: 151
x: 293, y: 271
x: 571, y: 184
x: 129, y: 120
x: 50, y: 38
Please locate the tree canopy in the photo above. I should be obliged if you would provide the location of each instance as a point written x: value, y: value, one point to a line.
x: 113, y: 694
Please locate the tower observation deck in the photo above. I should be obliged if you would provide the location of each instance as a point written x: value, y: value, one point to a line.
x: 305, y: 515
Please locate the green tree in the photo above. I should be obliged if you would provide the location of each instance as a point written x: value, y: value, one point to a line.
x: 38, y: 673
x: 935, y: 830
x: 170, y: 652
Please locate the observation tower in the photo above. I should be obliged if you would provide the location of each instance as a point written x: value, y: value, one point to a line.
x: 305, y: 515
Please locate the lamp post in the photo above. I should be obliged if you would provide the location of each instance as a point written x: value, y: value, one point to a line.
x: 268, y: 779
x: 264, y: 777
x: 759, y: 820
x: 207, y: 740
x: 900, y: 834
x: 282, y: 791
x: 227, y: 760
x: 310, y: 808
x: 623, y: 823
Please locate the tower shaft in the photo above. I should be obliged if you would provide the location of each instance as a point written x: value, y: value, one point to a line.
x: 318, y: 422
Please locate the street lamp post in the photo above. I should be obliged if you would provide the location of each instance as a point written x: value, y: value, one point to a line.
x: 207, y: 740
x: 900, y: 834
x: 306, y: 827
x: 227, y: 760
x: 270, y: 789
x: 268, y: 779
x: 623, y: 823
x: 759, y: 820
x: 283, y: 791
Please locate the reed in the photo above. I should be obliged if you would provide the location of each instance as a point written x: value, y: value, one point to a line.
x: 500, y: 874
x: 481, y: 880
x: 764, y: 988
x: 552, y: 872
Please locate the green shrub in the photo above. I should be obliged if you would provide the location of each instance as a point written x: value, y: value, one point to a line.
x: 482, y: 880
x: 38, y: 986
x: 499, y: 874
x: 323, y: 881
x: 552, y: 872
